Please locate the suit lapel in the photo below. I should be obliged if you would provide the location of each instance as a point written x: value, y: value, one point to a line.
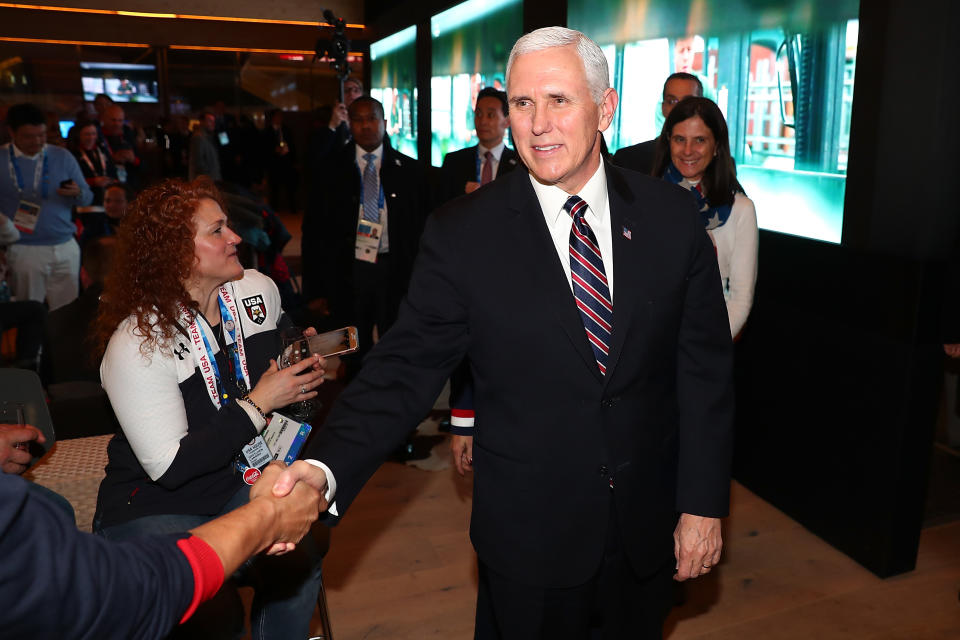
x: 540, y: 255
x: 627, y: 260
x: 508, y: 161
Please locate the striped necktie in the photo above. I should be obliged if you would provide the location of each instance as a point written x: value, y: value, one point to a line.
x: 590, y: 288
x: 371, y: 189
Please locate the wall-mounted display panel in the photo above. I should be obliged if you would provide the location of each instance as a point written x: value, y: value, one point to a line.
x: 393, y: 81
x: 782, y: 72
x: 471, y: 44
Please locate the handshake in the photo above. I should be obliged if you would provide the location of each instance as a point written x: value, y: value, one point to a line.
x: 283, y: 504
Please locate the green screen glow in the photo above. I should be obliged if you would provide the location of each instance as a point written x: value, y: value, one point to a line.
x: 781, y: 71
x: 471, y: 44
x: 393, y: 81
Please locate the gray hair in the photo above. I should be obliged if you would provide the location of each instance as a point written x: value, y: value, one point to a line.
x: 594, y: 62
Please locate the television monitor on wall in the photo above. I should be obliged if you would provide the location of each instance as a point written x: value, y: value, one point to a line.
x: 470, y: 45
x: 393, y: 81
x: 122, y: 82
x: 782, y: 72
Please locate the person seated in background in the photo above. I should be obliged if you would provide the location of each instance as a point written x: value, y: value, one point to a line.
x: 120, y: 141
x: 100, y: 226
x: 466, y: 170
x: 28, y: 317
x: 188, y: 341
x: 639, y: 157
x: 43, y: 184
x: 136, y: 589
x: 265, y: 236
x: 204, y: 155
x: 694, y: 152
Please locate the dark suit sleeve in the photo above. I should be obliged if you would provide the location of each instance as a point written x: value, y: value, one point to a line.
x: 704, y: 387
x: 403, y: 375
x: 57, y: 582
x: 452, y: 182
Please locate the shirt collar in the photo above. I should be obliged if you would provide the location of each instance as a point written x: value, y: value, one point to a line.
x: 497, y: 151
x: 552, y: 197
x: 377, y: 152
x: 20, y: 154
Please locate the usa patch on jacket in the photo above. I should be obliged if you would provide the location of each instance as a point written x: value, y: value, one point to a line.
x: 255, y: 308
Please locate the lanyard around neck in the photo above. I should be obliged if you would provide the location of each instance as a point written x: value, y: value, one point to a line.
x: 41, y: 174
x: 201, y: 340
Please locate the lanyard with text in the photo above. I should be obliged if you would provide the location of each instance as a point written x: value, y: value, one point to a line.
x: 200, y: 342
x: 233, y: 336
x: 479, y: 162
x: 41, y: 176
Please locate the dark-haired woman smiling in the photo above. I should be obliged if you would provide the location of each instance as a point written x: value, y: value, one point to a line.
x: 693, y: 151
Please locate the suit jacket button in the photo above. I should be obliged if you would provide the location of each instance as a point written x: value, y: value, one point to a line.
x: 603, y: 470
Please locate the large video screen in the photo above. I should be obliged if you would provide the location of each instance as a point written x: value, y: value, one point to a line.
x: 393, y: 81
x: 781, y: 71
x: 122, y: 82
x: 471, y: 44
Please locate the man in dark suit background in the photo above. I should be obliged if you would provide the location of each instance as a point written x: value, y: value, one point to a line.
x: 362, y: 234
x: 678, y: 86
x: 466, y: 170
x: 588, y: 300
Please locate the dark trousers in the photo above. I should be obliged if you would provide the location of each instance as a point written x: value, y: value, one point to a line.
x: 615, y: 604
x: 375, y: 301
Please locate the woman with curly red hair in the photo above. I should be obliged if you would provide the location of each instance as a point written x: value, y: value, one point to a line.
x: 188, y: 340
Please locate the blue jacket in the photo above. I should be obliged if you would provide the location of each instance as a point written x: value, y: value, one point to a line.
x: 57, y: 582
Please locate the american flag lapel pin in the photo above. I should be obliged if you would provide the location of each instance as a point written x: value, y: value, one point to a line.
x: 627, y: 234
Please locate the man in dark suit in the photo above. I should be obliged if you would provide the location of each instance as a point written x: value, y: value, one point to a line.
x: 587, y: 298
x: 466, y: 170
x: 678, y: 86
x: 362, y: 236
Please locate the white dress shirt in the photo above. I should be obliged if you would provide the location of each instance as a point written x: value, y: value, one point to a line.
x: 559, y: 222
x: 377, y: 162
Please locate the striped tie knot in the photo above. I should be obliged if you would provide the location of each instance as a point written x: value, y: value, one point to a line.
x: 591, y: 291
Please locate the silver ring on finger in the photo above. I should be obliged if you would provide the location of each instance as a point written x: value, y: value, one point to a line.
x: 303, y: 390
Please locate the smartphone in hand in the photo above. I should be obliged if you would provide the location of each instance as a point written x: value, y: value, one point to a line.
x: 331, y: 343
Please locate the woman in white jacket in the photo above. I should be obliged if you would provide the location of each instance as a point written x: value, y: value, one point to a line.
x: 693, y: 151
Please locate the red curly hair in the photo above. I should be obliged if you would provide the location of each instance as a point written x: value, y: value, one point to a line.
x: 154, y: 257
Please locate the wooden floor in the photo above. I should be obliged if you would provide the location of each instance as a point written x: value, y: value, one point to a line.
x: 401, y: 567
